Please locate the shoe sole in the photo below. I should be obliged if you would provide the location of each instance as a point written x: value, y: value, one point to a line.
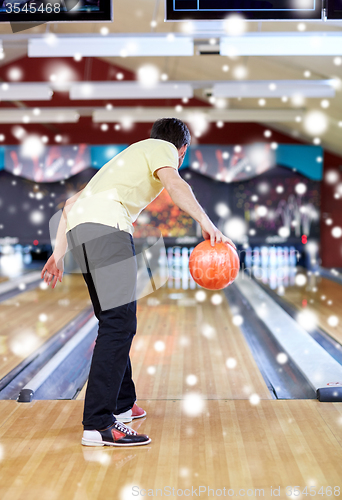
x: 88, y: 442
x: 126, y: 420
x: 140, y: 416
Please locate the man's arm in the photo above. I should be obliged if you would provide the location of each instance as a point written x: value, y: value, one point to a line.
x: 54, y: 267
x: 61, y: 244
x: 182, y: 195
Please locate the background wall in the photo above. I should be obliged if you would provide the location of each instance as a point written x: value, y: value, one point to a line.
x: 87, y: 132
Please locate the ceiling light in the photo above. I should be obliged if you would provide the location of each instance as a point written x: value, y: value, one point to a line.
x: 46, y: 115
x: 213, y: 115
x: 129, y: 90
x: 283, y: 44
x: 112, y: 46
x: 25, y: 92
x: 277, y: 88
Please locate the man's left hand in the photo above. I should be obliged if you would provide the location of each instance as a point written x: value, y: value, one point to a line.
x: 53, y: 272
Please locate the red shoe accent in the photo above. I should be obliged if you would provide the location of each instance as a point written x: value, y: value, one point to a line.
x: 138, y: 412
x: 117, y: 434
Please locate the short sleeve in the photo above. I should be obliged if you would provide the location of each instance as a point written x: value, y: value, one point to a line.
x: 165, y: 155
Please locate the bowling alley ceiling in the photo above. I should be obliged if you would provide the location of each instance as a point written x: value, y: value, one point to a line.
x: 147, y: 17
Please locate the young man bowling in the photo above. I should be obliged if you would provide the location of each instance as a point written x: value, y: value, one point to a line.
x: 96, y: 226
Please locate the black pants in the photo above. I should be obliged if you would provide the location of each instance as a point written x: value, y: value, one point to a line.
x: 106, y: 257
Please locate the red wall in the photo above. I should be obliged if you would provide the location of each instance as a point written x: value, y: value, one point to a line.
x: 331, y: 248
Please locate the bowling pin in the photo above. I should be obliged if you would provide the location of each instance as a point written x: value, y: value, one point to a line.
x: 248, y: 258
x: 177, y: 266
x: 163, y: 268
x: 272, y: 277
x: 170, y: 266
x: 192, y: 282
x: 273, y: 257
x: 264, y: 257
x: 185, y: 268
x: 256, y: 262
x: 280, y: 259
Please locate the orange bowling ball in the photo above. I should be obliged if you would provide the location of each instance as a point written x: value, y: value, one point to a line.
x: 215, y: 267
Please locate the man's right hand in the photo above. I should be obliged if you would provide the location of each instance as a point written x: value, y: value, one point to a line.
x: 212, y: 233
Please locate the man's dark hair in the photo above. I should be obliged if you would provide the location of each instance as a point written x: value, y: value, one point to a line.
x: 171, y: 130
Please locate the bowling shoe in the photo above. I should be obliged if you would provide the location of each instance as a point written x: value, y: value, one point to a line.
x: 129, y: 415
x: 117, y: 434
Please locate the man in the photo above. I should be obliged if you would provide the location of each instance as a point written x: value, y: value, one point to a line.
x: 97, y: 227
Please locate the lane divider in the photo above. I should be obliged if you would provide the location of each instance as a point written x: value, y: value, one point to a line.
x: 26, y: 394
x: 8, y: 286
x: 320, y: 369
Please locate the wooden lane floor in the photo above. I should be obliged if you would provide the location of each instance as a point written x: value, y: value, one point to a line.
x: 183, y: 345
x: 232, y: 445
x: 30, y: 318
x: 321, y: 297
x: 228, y: 442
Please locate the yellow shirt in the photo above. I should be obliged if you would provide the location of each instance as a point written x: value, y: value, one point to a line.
x: 124, y: 186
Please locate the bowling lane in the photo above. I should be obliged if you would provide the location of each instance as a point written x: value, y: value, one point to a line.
x: 183, y: 343
x: 317, y: 299
x: 30, y: 318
